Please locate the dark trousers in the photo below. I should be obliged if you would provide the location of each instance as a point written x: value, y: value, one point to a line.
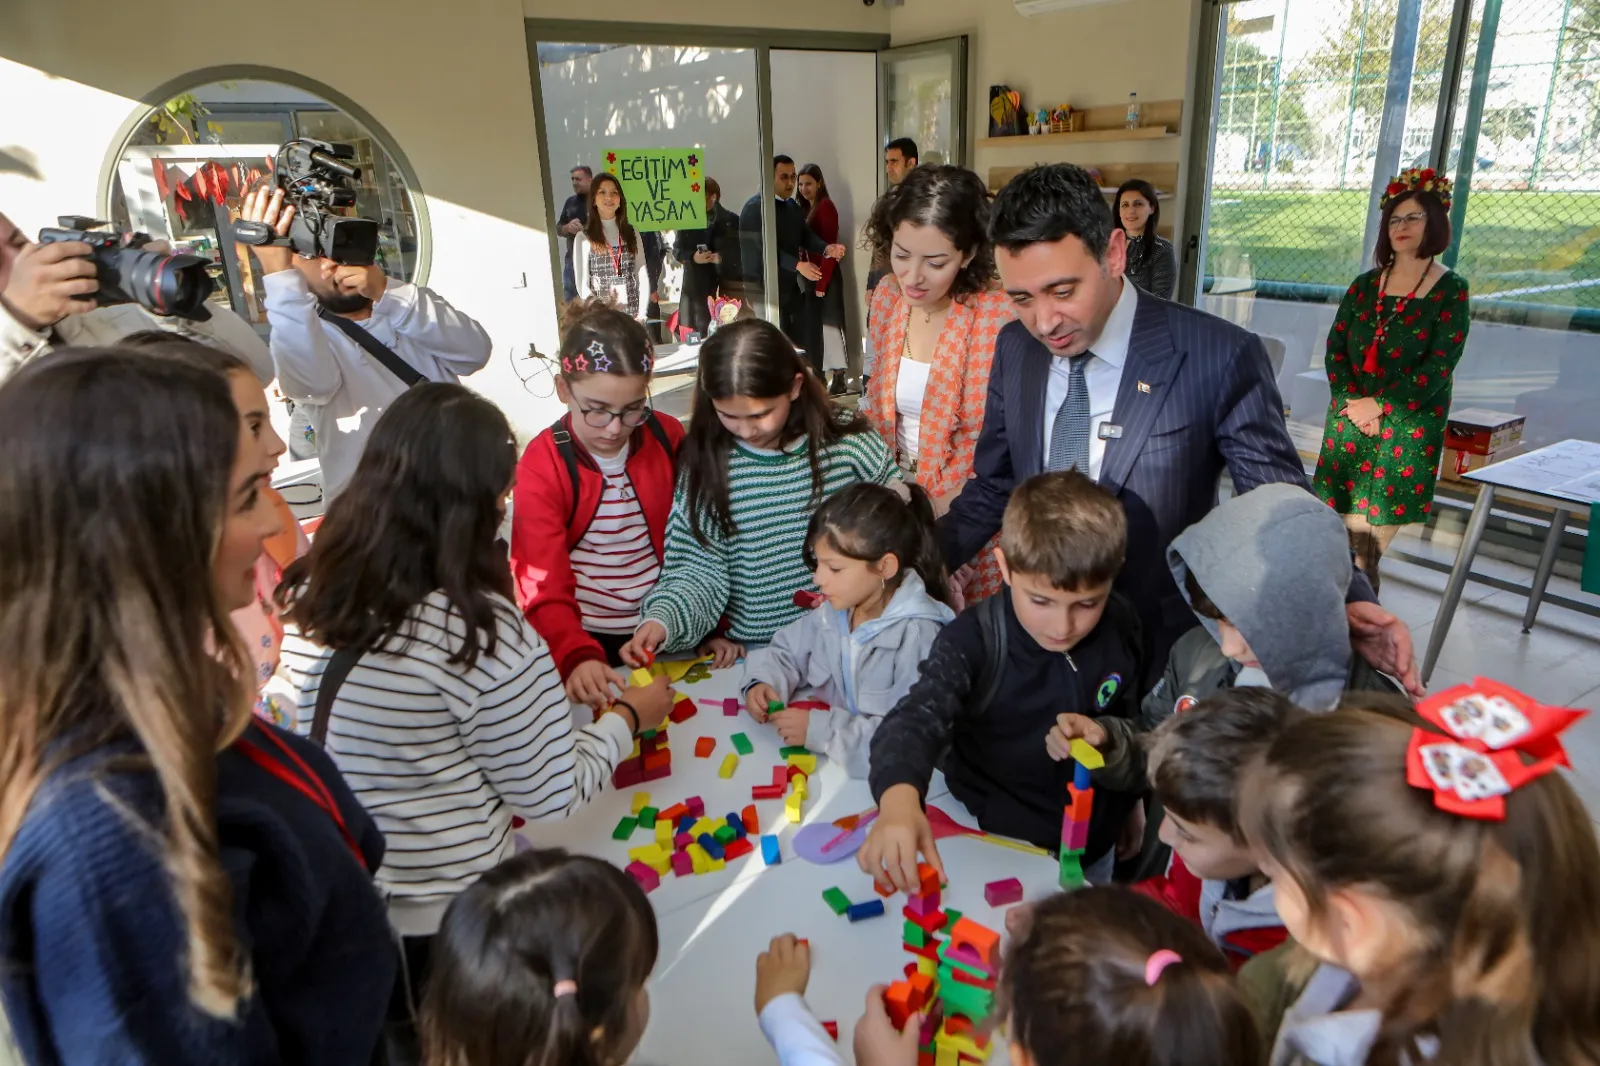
x: 402, y: 1042
x: 809, y: 324
x: 611, y: 644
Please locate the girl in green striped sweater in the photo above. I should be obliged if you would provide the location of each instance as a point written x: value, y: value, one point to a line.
x: 765, y: 447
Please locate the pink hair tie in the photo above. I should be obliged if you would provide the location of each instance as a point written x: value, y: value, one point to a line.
x: 1157, y: 964
x: 564, y: 988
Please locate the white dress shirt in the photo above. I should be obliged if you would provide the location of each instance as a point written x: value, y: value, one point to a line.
x: 343, y: 388
x: 1104, y: 374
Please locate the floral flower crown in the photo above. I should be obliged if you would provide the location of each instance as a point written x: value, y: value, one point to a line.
x: 1418, y: 179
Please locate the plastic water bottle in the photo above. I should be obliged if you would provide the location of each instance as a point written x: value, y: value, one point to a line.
x: 1132, y: 122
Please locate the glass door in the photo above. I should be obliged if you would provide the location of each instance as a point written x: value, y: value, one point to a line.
x: 922, y: 94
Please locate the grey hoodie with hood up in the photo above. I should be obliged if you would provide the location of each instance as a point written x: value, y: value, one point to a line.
x: 1276, y: 562
x: 860, y: 674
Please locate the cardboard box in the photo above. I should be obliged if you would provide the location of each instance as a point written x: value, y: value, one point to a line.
x: 1456, y: 463
x: 1477, y: 431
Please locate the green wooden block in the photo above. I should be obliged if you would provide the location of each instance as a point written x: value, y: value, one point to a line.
x: 1071, y: 871
x: 952, y: 916
x: 625, y: 828
x: 793, y: 749
x: 837, y: 900
x: 725, y: 835
x: 647, y: 734
x: 742, y: 745
x: 976, y: 1003
x: 647, y: 817
x: 916, y: 936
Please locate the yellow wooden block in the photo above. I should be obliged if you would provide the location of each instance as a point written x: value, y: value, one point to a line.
x: 945, y: 1056
x: 703, y: 825
x: 716, y: 864
x: 961, y: 1044
x: 729, y: 765
x: 663, y: 833
x: 807, y: 762
x: 928, y: 967
x: 1085, y: 754
x: 698, y: 856
x: 650, y: 854
x: 641, y: 678
x: 641, y: 800
x: 799, y: 788
x: 792, y: 806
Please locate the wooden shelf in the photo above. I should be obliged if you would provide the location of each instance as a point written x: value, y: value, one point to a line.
x: 1143, y: 133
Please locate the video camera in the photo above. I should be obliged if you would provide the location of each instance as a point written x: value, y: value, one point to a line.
x: 316, y: 179
x: 164, y: 284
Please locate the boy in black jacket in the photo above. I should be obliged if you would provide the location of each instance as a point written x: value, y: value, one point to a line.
x: 1058, y: 641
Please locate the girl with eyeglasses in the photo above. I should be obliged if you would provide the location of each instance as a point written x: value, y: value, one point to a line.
x: 593, y: 493
x: 1391, y: 359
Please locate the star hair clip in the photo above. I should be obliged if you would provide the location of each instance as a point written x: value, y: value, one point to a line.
x: 1491, y: 731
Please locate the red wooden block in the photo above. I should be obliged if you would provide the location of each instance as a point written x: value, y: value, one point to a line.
x: 925, y: 1058
x: 649, y: 744
x: 751, y: 820
x: 780, y: 776
x: 897, y: 1001
x: 910, y: 969
x: 674, y: 812
x: 767, y: 792
x: 810, y: 705
x: 736, y: 849
x: 657, y: 774
x: 930, y: 950
x: 1080, y: 805
x: 655, y: 760
x: 883, y: 890
x: 683, y: 710
x: 921, y: 990
x: 703, y: 747
x: 792, y: 772
x: 931, y: 922
x: 833, y: 1030
x: 928, y: 879
x: 628, y: 773
x: 965, y: 978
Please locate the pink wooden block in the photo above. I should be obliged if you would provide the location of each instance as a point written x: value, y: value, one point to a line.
x: 681, y: 841
x: 923, y: 904
x: 1003, y: 893
x: 682, y: 864
x: 697, y: 807
x: 730, y: 707
x: 648, y: 879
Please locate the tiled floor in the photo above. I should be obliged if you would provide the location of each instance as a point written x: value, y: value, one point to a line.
x: 1558, y: 663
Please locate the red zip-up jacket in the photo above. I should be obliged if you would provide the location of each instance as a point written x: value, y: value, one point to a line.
x: 542, y: 538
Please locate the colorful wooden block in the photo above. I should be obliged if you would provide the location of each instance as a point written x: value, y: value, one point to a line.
x: 1071, y: 876
x: 883, y: 890
x: 710, y: 844
x: 648, y: 879
x: 793, y: 749
x: 832, y: 1029
x: 730, y: 707
x: 806, y: 763
x: 704, y: 746
x: 702, y: 861
x: 897, y: 1001
x: 833, y: 897
x: 729, y: 765
x: 923, y: 904
x: 979, y: 942
x: 674, y: 812
x: 664, y: 770
x: 682, y: 863
x: 1003, y: 893
x: 870, y: 908
x: 664, y: 833
x: 742, y: 745
x: 641, y: 678
x: 683, y: 710
x: 767, y: 792
x: 656, y: 760
x: 752, y: 820
x: 792, y: 807
x: 927, y: 879
x: 1085, y: 754
x: 772, y: 852
x: 1081, y: 778
x: 931, y: 922
x: 697, y: 806
x: 914, y: 934
x: 625, y: 828
x: 647, y: 817
x: 682, y: 840
x: 641, y: 800
x: 738, y: 849
x: 724, y: 835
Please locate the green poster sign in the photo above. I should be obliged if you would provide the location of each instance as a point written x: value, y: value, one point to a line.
x: 663, y: 186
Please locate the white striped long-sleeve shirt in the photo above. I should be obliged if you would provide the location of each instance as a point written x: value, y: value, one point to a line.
x: 443, y: 756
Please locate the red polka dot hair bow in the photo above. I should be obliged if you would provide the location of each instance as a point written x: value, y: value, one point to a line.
x: 1496, y: 741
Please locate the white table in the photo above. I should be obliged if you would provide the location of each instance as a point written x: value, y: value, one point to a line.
x: 1565, y: 476
x: 713, y: 926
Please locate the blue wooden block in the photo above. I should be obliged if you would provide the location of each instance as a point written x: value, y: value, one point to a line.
x: 738, y: 825
x: 771, y: 850
x: 713, y: 848
x: 1080, y: 777
x: 685, y: 823
x: 872, y: 908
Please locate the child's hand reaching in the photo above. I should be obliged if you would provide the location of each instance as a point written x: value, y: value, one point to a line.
x: 901, y: 830
x: 652, y: 703
x: 1071, y: 727
x: 646, y: 639
x: 592, y: 682
x: 784, y: 967
x: 877, y: 1043
x: 725, y: 652
x: 792, y: 724
x: 757, y: 699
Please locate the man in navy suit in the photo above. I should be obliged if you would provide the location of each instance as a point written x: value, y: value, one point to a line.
x: 1153, y: 399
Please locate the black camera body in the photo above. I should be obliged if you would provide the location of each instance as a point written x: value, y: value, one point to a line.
x: 163, y: 284
x: 316, y: 179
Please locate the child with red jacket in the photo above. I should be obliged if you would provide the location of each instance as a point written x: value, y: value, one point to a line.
x: 591, y: 502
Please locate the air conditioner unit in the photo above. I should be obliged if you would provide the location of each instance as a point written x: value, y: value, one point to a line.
x: 1033, y: 8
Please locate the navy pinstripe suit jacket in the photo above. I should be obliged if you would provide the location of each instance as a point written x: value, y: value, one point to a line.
x: 1211, y: 403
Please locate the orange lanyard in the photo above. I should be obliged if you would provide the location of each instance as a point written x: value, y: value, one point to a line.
x: 310, y: 785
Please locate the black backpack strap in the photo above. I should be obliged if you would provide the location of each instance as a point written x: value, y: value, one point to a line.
x: 569, y: 455
x: 408, y: 374
x: 992, y: 625
x: 659, y: 432
x: 333, y: 675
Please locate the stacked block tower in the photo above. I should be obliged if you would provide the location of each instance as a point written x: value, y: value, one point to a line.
x: 1075, y: 818
x: 948, y: 993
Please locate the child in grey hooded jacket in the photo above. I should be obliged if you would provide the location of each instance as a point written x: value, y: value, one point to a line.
x: 877, y: 562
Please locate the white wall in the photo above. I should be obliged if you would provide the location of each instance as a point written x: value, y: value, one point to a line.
x: 824, y: 112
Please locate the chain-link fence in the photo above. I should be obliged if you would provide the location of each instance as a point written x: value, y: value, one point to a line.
x: 1302, y: 92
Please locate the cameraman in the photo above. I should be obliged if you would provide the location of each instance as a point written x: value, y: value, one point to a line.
x: 343, y: 387
x: 41, y: 307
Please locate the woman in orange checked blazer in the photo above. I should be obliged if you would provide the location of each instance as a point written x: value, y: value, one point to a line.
x: 933, y: 324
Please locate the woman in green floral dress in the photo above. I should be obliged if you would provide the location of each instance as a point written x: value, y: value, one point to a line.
x: 1391, y: 360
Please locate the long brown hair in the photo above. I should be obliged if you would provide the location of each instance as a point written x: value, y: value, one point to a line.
x: 419, y: 515
x: 752, y: 358
x: 114, y: 470
x: 1509, y: 971
x: 539, y: 919
x: 811, y: 170
x: 1075, y: 987
x: 594, y: 227
x: 953, y: 200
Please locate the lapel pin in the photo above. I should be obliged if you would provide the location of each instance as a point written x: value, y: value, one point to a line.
x: 1144, y: 386
x: 1110, y: 431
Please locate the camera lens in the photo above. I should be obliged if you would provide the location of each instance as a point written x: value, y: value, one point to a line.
x: 166, y: 284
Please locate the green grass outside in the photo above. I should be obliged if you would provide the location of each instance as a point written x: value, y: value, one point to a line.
x: 1512, y: 240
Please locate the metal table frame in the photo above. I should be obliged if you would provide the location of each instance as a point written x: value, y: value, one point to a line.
x: 1488, y: 494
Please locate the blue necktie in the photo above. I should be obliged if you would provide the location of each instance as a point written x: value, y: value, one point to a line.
x: 1069, y: 435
